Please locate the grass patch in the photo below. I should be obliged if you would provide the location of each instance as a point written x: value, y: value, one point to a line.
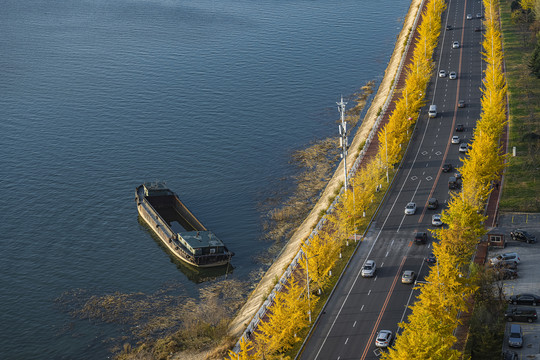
x: 521, y: 191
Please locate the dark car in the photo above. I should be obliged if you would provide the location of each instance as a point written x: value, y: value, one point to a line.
x: 521, y: 314
x: 420, y: 238
x: 460, y: 128
x: 449, y: 27
x: 525, y: 299
x: 478, y: 29
x: 447, y: 167
x: 510, y: 355
x: 461, y: 104
x: 431, y: 259
x: 432, y: 204
x: 522, y: 235
x: 505, y: 274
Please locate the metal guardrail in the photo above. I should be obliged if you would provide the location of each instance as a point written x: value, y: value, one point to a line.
x: 294, y: 263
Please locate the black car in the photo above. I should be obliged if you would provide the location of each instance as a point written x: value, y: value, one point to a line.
x: 521, y: 314
x: 522, y: 235
x: 505, y: 274
x: 420, y: 238
x: 510, y: 355
x: 461, y: 104
x: 524, y: 299
x: 478, y: 29
x: 432, y: 204
x: 431, y: 259
x: 448, y: 27
x: 460, y: 128
x: 447, y: 168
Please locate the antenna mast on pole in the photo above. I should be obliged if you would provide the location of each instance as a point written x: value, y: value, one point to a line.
x: 343, y: 140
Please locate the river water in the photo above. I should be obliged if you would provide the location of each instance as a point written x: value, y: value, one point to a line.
x: 98, y: 96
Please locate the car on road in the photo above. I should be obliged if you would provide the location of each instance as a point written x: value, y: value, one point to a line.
x: 522, y: 235
x: 453, y: 75
x: 524, y: 299
x: 463, y: 147
x: 460, y: 128
x: 369, y: 268
x: 432, y: 203
x: 447, y: 167
x: 469, y: 16
x: 449, y: 27
x: 521, y: 314
x: 436, y: 220
x: 420, y: 238
x: 384, y: 338
x: 455, y: 139
x: 455, y: 45
x: 410, y: 209
x: 442, y: 73
x: 479, y: 15
x: 461, y: 104
x: 505, y: 258
x: 453, y: 183
x: 408, y: 277
x: 431, y: 259
x: 478, y: 29
x: 516, y: 336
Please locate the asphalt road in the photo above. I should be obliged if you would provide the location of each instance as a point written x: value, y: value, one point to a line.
x: 360, y: 307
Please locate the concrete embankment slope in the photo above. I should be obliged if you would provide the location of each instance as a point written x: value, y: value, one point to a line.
x: 258, y: 296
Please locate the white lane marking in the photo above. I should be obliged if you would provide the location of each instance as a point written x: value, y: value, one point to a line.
x: 353, y: 325
x: 369, y: 292
x: 387, y: 254
x: 346, y: 341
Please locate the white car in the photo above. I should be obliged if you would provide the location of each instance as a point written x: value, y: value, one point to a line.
x: 469, y: 16
x: 453, y: 75
x: 369, y: 268
x: 442, y: 73
x: 436, y: 220
x: 384, y: 338
x: 410, y: 209
x: 455, y: 45
x: 463, y: 147
x: 455, y: 139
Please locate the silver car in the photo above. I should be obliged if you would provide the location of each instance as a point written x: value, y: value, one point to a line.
x: 384, y: 338
x: 369, y: 268
x: 410, y: 209
x: 408, y: 277
x: 436, y: 220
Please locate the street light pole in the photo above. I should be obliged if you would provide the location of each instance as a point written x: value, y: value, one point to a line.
x: 307, y: 283
x: 343, y: 140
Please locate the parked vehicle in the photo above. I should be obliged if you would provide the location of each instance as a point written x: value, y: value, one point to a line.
x: 524, y: 299
x: 447, y: 167
x: 505, y: 258
x: 453, y: 183
x: 510, y: 355
x: 521, y: 314
x: 384, y: 338
x: 369, y: 268
x: 516, y: 336
x: 522, y: 235
x: 436, y: 220
x: 432, y: 112
x: 431, y: 259
x: 408, y: 277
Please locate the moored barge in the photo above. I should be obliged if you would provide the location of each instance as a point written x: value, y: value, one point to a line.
x: 163, y: 212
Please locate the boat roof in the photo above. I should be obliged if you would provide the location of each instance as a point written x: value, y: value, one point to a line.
x: 201, y: 239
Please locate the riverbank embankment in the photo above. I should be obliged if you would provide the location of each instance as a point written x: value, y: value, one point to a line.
x: 258, y: 296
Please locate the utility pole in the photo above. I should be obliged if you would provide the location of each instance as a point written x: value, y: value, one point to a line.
x: 343, y: 140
